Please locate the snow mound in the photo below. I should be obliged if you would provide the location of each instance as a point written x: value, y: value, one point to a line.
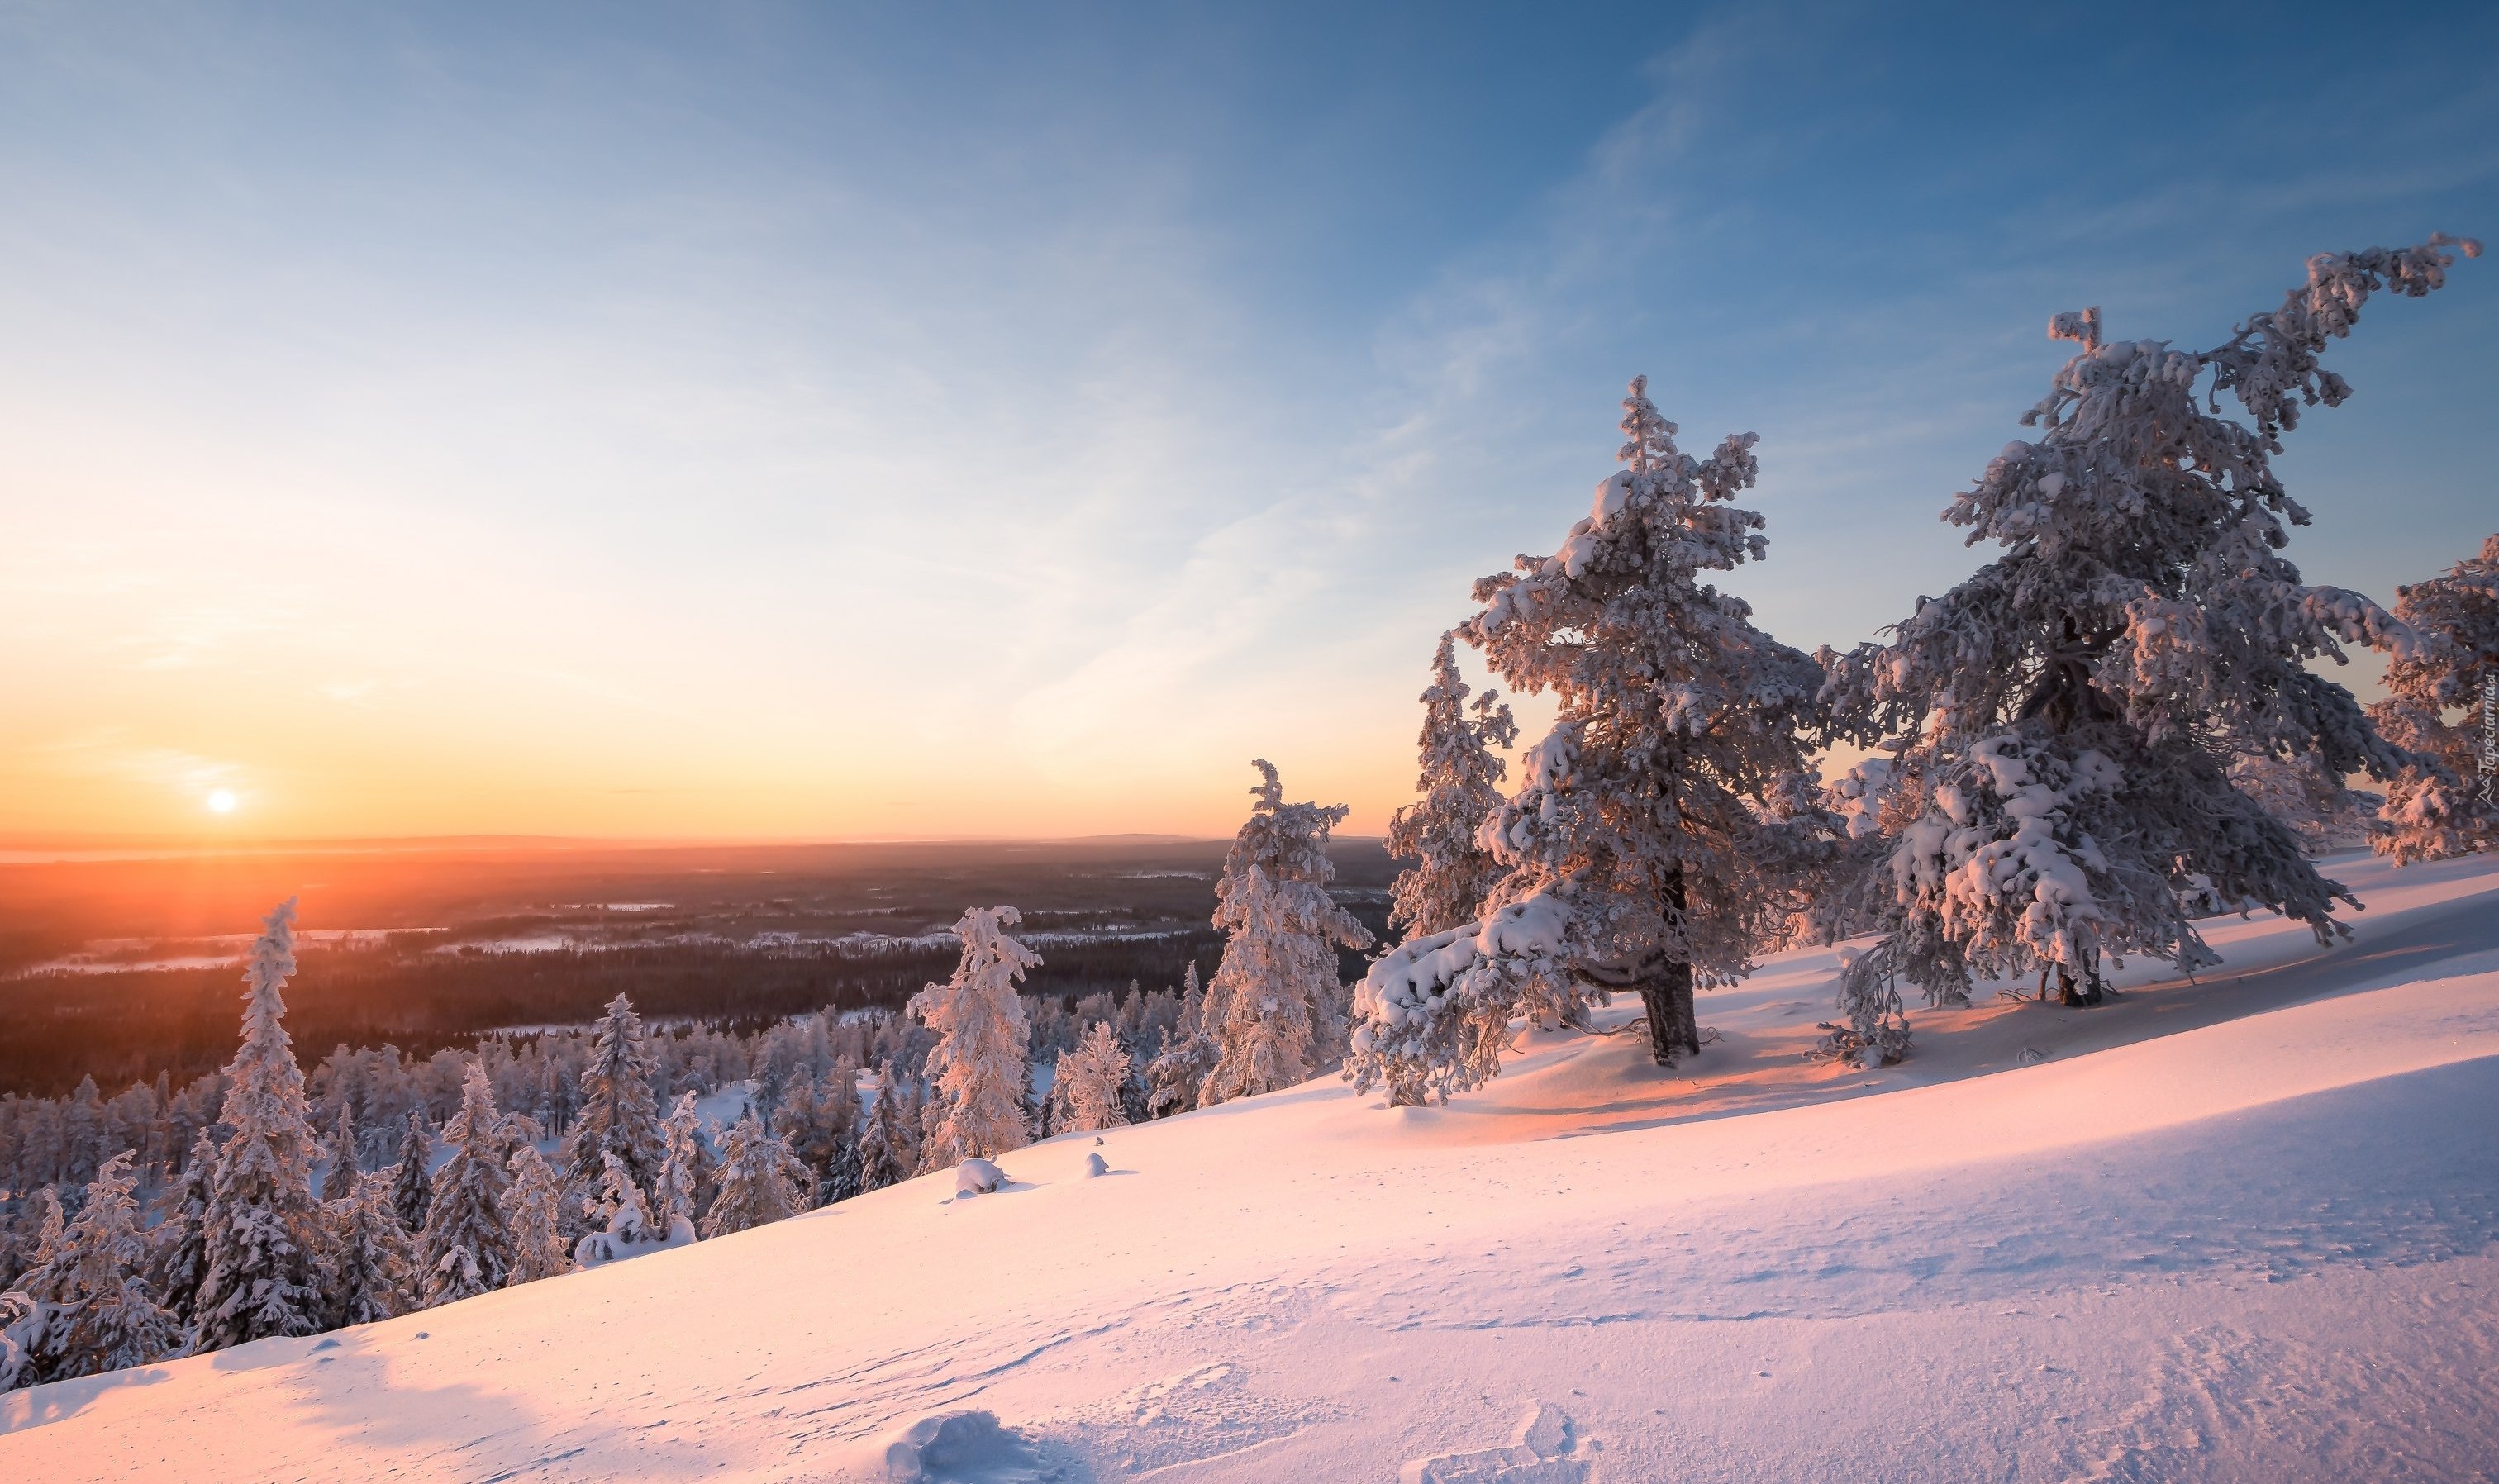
x: 599, y: 1248
x: 978, y: 1176
x: 965, y: 1447
x: 1094, y: 1165
x: 1547, y: 1450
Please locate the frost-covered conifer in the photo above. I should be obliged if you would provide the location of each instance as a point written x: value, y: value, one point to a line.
x: 30, y: 1309
x: 2446, y: 803
x: 979, y: 1061
x: 19, y: 1319
x: 820, y: 1123
x: 2057, y: 728
x: 882, y: 1153
x: 260, y: 1271
x: 411, y: 1181
x: 534, y: 1212
x: 1085, y: 1091
x: 1662, y: 833
x: 181, y: 1238
x: 627, y: 1226
x: 1180, y: 1069
x: 85, y: 1308
x: 340, y: 1177
x: 1276, y: 1009
x: 466, y: 1248
x: 113, y: 1320
x: 759, y: 1181
x: 372, y: 1264
x: 1460, y: 785
x: 625, y: 1218
x: 675, y: 1186
x: 620, y: 1113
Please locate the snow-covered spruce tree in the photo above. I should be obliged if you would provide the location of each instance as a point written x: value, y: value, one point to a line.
x: 20, y: 1321
x: 1662, y: 833
x: 340, y: 1175
x: 1277, y: 1006
x: 1086, y: 1093
x: 674, y: 1190
x: 29, y: 1307
x: 979, y: 1061
x: 534, y: 1213
x: 411, y: 1181
x: 2058, y: 728
x: 466, y: 1248
x: 2447, y: 803
x: 1460, y: 785
x: 884, y: 1154
x: 179, y: 1257
x: 619, y: 1113
x: 626, y: 1227
x: 88, y: 1306
x: 759, y: 1181
x: 1180, y: 1069
x: 260, y: 1275
x: 835, y: 1157
x: 372, y: 1267
x: 819, y: 1121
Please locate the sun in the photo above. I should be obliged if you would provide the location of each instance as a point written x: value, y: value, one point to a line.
x: 222, y: 801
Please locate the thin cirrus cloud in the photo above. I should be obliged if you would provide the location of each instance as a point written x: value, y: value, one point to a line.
x: 623, y: 422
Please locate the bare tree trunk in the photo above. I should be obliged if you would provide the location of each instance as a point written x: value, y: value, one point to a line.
x: 1673, y: 1027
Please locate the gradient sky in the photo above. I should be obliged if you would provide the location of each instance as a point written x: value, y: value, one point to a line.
x: 770, y: 421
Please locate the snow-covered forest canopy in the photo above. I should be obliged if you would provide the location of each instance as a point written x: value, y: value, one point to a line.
x: 2113, y: 729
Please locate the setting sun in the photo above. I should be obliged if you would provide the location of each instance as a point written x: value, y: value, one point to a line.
x: 221, y: 801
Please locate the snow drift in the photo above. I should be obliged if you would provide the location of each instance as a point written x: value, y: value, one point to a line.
x: 2242, y: 1228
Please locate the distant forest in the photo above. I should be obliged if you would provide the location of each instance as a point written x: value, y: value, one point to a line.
x: 691, y: 964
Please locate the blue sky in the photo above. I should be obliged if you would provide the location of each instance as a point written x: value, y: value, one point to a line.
x: 765, y: 420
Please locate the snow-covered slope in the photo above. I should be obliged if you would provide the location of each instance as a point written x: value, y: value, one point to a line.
x: 2246, y: 1229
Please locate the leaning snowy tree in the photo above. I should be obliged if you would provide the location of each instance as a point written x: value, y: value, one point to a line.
x: 978, y: 1063
x: 1663, y: 833
x: 619, y: 1114
x: 1086, y: 1093
x: 1275, y: 1006
x: 1460, y: 785
x: 259, y: 1276
x: 2447, y: 802
x: 2056, y: 731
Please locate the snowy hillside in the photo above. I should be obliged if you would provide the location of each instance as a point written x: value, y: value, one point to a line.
x: 2244, y: 1229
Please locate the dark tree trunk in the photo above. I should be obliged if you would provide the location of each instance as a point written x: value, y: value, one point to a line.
x: 1672, y: 1029
x: 1666, y: 990
x: 2089, y: 992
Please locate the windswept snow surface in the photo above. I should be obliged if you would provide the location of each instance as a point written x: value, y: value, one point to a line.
x: 2246, y: 1229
